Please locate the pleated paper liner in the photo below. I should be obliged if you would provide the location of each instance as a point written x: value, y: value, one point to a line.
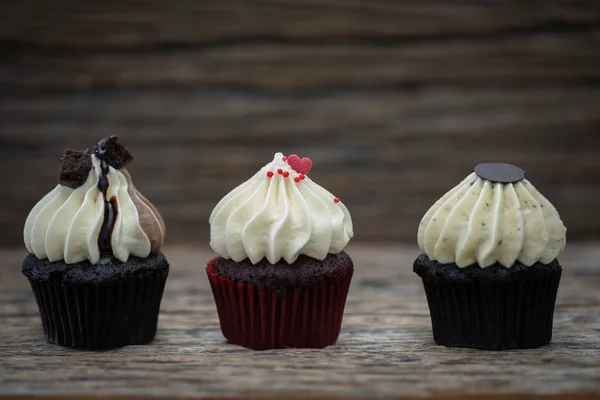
x: 515, y: 314
x: 101, y: 316
x: 261, y: 318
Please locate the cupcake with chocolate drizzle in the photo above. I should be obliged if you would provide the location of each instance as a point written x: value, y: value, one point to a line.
x: 95, y: 264
x: 282, y: 275
x: 489, y: 263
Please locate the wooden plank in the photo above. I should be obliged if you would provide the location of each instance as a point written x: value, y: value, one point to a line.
x: 153, y: 22
x: 470, y: 106
x: 512, y: 396
x: 514, y: 60
x: 385, y: 348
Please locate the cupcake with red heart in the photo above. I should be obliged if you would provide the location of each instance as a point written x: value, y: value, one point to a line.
x: 282, y: 275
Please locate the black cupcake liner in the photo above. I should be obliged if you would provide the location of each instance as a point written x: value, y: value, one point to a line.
x: 490, y: 313
x: 101, y: 315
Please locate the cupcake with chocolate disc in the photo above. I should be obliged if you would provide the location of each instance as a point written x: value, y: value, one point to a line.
x: 489, y: 264
x: 282, y: 276
x: 95, y: 264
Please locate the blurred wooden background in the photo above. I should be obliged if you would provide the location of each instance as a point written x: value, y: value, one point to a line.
x: 395, y: 101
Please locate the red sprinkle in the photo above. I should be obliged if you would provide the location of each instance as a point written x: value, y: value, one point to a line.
x: 284, y: 158
x: 302, y: 176
x: 280, y: 171
x: 297, y: 179
x: 286, y: 174
x: 336, y: 200
x: 270, y: 174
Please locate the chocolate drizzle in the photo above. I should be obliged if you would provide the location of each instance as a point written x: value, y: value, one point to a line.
x: 110, y: 153
x: 111, y: 211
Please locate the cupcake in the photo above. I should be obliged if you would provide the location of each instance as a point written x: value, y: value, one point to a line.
x: 489, y: 263
x: 94, y: 260
x: 282, y: 276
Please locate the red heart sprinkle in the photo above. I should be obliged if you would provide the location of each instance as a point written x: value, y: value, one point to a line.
x: 301, y: 166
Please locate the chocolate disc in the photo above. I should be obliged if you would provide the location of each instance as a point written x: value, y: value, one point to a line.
x: 499, y: 172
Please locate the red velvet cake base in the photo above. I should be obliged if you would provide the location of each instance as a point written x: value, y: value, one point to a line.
x: 263, y: 318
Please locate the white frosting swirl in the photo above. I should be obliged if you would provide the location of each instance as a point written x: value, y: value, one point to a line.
x: 277, y: 217
x: 483, y: 222
x: 65, y: 224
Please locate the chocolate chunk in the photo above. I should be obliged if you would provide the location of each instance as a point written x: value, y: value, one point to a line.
x: 111, y: 150
x: 499, y: 172
x: 75, y: 168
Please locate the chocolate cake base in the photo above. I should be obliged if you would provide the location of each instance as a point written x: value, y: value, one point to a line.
x: 106, y: 305
x: 494, y: 308
x: 304, y: 272
x: 270, y: 306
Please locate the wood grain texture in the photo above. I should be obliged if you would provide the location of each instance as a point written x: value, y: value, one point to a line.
x: 395, y: 101
x: 512, y: 396
x: 150, y: 22
x: 385, y: 349
x: 519, y: 59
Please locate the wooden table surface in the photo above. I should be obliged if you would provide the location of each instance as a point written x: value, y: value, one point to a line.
x: 385, y: 348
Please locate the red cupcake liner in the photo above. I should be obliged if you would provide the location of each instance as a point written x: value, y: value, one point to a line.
x: 261, y: 318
